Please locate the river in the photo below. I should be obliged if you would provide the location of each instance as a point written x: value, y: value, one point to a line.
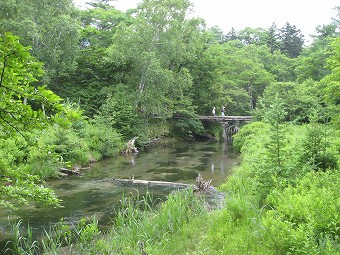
x: 94, y: 195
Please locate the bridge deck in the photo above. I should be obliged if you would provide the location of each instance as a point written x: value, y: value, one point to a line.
x: 225, y: 118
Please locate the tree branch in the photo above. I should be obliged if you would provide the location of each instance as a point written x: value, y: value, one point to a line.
x: 3, y: 69
x: 5, y: 87
x: 16, y: 129
x: 3, y: 74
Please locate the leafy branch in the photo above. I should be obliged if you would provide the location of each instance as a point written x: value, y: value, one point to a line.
x: 12, y: 126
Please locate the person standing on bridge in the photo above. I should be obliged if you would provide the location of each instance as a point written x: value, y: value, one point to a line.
x: 214, y: 111
x: 222, y: 111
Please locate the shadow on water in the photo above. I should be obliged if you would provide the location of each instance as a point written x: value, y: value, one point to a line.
x: 89, y: 196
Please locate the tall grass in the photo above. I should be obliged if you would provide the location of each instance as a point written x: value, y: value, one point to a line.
x: 21, y: 245
x: 136, y: 229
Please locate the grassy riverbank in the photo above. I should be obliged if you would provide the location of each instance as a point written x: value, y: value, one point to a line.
x: 292, y: 208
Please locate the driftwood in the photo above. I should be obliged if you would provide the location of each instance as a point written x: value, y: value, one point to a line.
x: 69, y: 171
x: 73, y: 171
x: 155, y: 183
x: 202, y: 185
x: 201, y: 188
x: 131, y: 148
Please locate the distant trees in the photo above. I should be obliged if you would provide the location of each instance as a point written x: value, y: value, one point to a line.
x: 50, y: 27
x: 272, y: 38
x: 288, y: 39
x: 332, y: 81
x: 88, y: 83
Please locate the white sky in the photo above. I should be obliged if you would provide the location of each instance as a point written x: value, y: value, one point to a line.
x: 304, y: 14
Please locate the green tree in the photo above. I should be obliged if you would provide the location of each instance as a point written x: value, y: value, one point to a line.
x: 272, y: 38
x: 88, y: 83
x: 275, y: 116
x: 156, y: 48
x: 245, y: 68
x: 21, y: 112
x: 99, y: 23
x: 311, y: 64
x: 209, y: 81
x: 291, y: 40
x: 317, y: 151
x: 230, y: 74
x: 255, y: 36
x: 301, y: 99
x: 49, y: 27
x: 119, y: 114
x: 332, y: 81
x: 217, y: 34
x: 22, y: 106
x: 231, y: 35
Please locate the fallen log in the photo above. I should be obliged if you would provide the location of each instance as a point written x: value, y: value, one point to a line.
x: 131, y: 148
x: 201, y: 188
x: 73, y: 171
x: 69, y: 171
x: 155, y: 183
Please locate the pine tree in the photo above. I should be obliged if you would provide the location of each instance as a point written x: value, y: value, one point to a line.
x: 273, y: 38
x: 231, y: 35
x: 291, y: 41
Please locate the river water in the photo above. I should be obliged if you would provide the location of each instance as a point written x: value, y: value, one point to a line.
x: 94, y: 195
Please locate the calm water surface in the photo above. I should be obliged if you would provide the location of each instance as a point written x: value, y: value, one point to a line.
x: 94, y: 195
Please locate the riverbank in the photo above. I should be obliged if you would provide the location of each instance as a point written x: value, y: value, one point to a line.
x: 290, y: 216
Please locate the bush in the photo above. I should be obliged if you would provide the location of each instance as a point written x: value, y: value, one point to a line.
x: 319, y: 147
x: 13, y: 150
x: 247, y: 133
x: 305, y: 219
x: 102, y: 140
x: 58, y: 145
x: 186, y: 126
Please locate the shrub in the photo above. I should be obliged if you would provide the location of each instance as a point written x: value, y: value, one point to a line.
x: 102, y: 139
x: 305, y: 219
x: 247, y: 133
x: 13, y: 150
x: 186, y: 126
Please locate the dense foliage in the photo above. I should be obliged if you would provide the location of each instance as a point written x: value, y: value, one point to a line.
x: 76, y: 85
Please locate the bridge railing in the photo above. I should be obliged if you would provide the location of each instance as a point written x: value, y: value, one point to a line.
x: 225, y: 118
